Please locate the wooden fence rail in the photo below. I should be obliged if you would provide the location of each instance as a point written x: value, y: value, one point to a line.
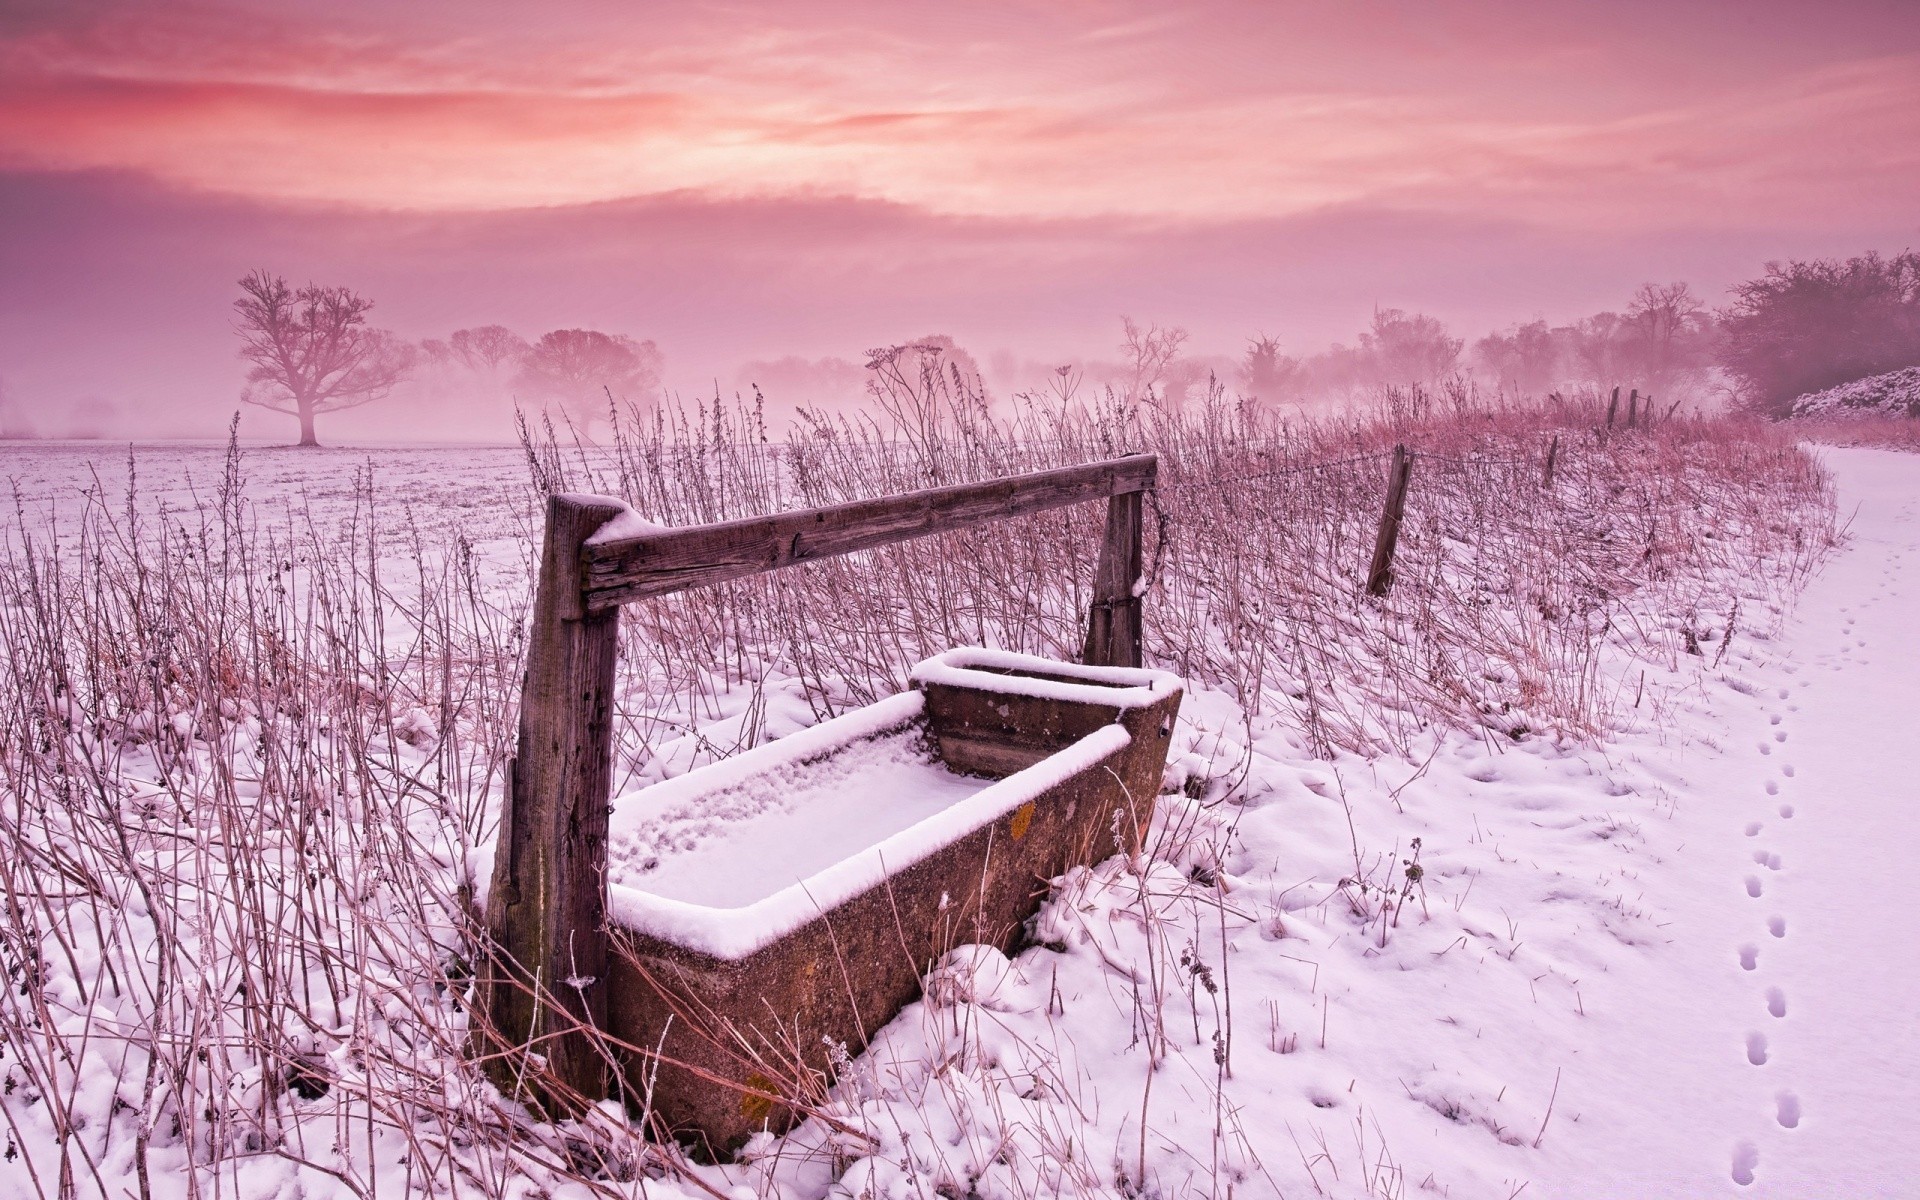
x: 544, y: 984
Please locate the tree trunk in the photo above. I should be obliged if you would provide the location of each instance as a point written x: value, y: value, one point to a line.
x: 306, y: 425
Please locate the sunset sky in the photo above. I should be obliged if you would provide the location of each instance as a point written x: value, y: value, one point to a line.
x: 739, y: 181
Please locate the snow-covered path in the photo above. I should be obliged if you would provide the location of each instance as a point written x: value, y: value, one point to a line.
x: 1774, y: 1049
x: 1846, y: 1055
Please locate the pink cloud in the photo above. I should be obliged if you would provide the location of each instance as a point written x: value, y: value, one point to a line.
x: 977, y: 125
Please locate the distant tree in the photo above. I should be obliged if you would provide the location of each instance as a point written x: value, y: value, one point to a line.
x: 1525, y: 358
x: 487, y: 347
x: 579, y: 368
x: 1669, y: 335
x: 437, y: 353
x: 1597, y: 349
x: 1148, y: 352
x: 1805, y: 326
x: 804, y: 381
x: 312, y: 350
x: 1410, y: 348
x: 1269, y: 374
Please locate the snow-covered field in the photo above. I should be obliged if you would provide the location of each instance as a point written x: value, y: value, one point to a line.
x: 1504, y: 961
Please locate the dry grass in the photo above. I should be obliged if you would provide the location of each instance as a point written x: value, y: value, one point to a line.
x: 1886, y: 433
x: 248, y: 765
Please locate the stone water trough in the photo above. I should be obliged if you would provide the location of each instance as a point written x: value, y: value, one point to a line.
x: 796, y: 894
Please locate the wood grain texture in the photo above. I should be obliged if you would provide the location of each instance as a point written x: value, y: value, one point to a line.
x: 1114, y: 621
x: 1380, y: 573
x: 546, y: 912
x: 675, y: 560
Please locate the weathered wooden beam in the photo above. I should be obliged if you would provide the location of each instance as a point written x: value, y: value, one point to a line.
x: 674, y: 560
x: 1553, y: 455
x: 1380, y: 573
x: 544, y: 985
x: 1113, y: 622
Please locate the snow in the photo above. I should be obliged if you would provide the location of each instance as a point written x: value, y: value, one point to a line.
x: 986, y: 670
x: 1790, y: 1049
x: 628, y: 524
x: 727, y: 845
x: 751, y: 812
x: 1894, y: 394
x: 1677, y: 963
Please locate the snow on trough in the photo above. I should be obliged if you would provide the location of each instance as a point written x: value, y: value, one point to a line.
x: 750, y: 848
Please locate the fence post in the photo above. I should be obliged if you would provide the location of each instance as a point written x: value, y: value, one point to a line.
x: 1380, y: 574
x: 545, y: 981
x: 1553, y: 453
x: 1113, y: 622
x: 1633, y: 408
x: 1613, y: 406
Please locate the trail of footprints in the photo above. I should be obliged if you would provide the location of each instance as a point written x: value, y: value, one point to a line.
x: 1786, y: 1105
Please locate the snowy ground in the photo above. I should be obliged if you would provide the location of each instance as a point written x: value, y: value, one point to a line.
x: 1674, y: 965
x: 1775, y: 1039
x: 1677, y: 965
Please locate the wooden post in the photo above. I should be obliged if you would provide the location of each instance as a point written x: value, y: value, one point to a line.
x: 546, y: 913
x: 1113, y: 623
x: 1380, y: 574
x: 1613, y: 406
x: 1633, y: 408
x: 1553, y: 453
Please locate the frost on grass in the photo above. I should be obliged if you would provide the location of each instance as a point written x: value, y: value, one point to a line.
x: 253, y: 760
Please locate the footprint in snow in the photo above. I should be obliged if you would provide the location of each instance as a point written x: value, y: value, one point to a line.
x: 1765, y: 749
x: 1774, y: 719
x: 1757, y: 1049
x: 1753, y: 886
x: 1786, y: 811
x: 1776, y: 1002
x: 1746, y: 1156
x: 1773, y: 787
x: 1787, y: 770
x: 1788, y: 1110
x: 1780, y: 736
x: 1753, y: 829
x: 1777, y: 926
x: 1749, y: 957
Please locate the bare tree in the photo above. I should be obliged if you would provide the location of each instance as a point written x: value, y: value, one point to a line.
x: 1667, y: 331
x: 312, y: 351
x: 487, y: 347
x: 1410, y: 348
x: 577, y: 367
x: 1149, y: 352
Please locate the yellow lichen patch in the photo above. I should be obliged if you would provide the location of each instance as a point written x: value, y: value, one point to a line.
x: 757, y: 1101
x: 1022, y: 817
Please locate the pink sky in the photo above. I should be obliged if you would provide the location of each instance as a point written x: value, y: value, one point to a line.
x: 816, y: 178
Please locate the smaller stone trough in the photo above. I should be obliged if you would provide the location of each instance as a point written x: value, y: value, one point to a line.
x: 794, y: 895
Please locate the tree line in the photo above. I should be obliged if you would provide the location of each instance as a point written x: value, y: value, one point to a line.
x: 1800, y: 326
x: 312, y: 352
